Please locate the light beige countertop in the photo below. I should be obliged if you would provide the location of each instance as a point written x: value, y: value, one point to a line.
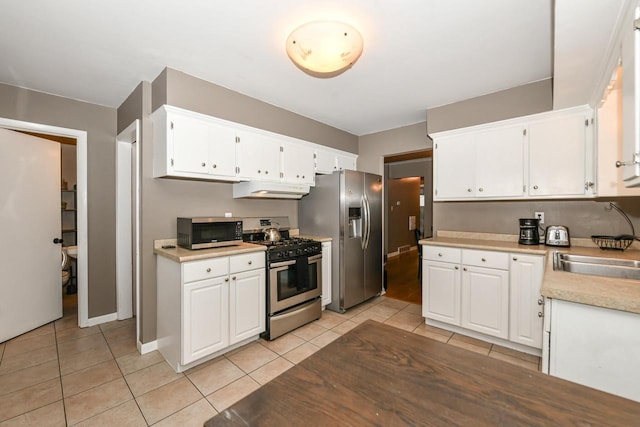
x: 296, y: 232
x: 179, y: 254
x: 618, y: 294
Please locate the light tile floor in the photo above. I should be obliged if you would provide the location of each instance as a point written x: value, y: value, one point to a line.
x: 61, y: 375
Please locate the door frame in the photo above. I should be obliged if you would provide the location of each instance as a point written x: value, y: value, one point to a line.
x: 82, y: 273
x: 128, y: 222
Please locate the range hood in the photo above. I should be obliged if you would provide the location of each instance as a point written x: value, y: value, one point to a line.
x: 269, y: 190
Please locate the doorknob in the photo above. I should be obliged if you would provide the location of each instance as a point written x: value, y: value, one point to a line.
x: 56, y: 240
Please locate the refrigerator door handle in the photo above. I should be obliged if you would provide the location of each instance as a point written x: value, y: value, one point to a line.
x: 367, y: 222
x: 363, y: 226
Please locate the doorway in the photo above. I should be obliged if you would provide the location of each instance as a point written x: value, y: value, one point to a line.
x: 81, y: 236
x: 408, y: 216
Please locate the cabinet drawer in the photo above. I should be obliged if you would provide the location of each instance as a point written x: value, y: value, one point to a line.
x: 439, y: 253
x: 205, y: 269
x: 247, y: 262
x: 487, y: 259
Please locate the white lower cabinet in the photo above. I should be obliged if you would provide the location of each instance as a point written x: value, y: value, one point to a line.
x: 441, y: 291
x: 485, y: 300
x: 526, y: 302
x: 326, y: 273
x: 206, y: 307
x: 206, y: 318
x: 484, y: 291
x: 594, y: 346
x: 247, y: 305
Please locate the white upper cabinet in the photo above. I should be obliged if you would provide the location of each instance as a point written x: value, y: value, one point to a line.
x: 328, y: 161
x: 258, y: 156
x: 455, y: 171
x: 481, y: 164
x: 298, y: 164
x: 558, y: 150
x: 197, y: 146
x: 186, y: 145
x: 630, y: 160
x: 500, y: 162
x: 540, y: 156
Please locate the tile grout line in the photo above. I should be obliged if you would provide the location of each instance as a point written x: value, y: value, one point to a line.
x: 64, y: 406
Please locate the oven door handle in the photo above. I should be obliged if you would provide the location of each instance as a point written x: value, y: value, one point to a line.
x: 314, y: 259
x: 281, y: 264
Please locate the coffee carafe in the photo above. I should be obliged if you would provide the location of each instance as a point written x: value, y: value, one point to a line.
x: 529, y: 231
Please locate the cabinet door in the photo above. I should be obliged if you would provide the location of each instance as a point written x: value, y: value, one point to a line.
x: 630, y: 100
x: 247, y: 305
x: 557, y: 156
x: 525, y: 308
x: 485, y: 300
x: 500, y: 162
x: 326, y: 162
x: 346, y: 161
x: 596, y: 347
x: 454, y: 167
x: 326, y: 273
x: 205, y: 311
x: 222, y: 151
x: 441, y: 291
x: 298, y: 163
x: 258, y: 157
x: 190, y: 141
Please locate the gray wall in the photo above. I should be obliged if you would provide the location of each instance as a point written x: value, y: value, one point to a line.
x: 373, y: 147
x: 515, y: 102
x: 584, y: 217
x: 163, y: 200
x: 100, y: 124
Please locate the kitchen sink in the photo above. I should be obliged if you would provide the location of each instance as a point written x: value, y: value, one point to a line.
x: 597, y: 266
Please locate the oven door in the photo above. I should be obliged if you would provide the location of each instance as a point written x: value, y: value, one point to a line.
x: 293, y: 282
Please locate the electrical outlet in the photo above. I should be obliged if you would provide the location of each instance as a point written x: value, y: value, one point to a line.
x: 540, y: 216
x: 228, y: 215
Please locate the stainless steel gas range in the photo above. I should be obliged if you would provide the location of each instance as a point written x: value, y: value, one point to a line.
x: 294, y: 275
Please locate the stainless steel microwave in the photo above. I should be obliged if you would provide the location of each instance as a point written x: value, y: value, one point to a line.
x: 204, y: 232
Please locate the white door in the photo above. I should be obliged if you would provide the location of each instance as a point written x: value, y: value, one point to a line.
x: 441, y: 291
x: 455, y: 167
x: 247, y: 305
x: 485, y: 300
x: 31, y: 286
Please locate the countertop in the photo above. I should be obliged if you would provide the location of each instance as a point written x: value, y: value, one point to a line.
x: 618, y: 294
x: 179, y: 254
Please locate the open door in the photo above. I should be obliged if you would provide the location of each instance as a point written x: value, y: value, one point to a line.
x: 30, y: 261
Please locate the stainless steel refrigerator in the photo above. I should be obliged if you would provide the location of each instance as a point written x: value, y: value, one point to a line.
x: 347, y: 206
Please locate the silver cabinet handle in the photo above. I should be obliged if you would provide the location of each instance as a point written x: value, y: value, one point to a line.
x: 233, y: 278
x: 439, y: 254
x: 457, y: 268
x: 215, y: 166
x: 535, y: 187
x: 539, y: 314
x: 481, y: 189
x: 250, y: 262
x: 464, y: 269
x: 226, y: 279
x: 266, y: 172
x: 635, y: 161
x: 540, y: 301
x: 259, y: 171
x: 515, y: 259
x: 203, y: 164
x: 469, y: 190
x: 484, y: 259
x: 209, y: 270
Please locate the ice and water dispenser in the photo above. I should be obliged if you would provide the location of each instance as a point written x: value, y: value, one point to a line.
x: 355, y: 223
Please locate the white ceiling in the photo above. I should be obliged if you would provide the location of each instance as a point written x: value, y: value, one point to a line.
x: 418, y: 54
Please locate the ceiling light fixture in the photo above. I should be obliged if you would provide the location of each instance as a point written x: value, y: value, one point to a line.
x: 324, y: 48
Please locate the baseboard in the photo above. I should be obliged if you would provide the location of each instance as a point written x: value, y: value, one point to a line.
x: 147, y: 347
x: 102, y: 319
x: 402, y: 250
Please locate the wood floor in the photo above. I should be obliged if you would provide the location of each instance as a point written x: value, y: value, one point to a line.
x: 379, y: 375
x: 402, y: 278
